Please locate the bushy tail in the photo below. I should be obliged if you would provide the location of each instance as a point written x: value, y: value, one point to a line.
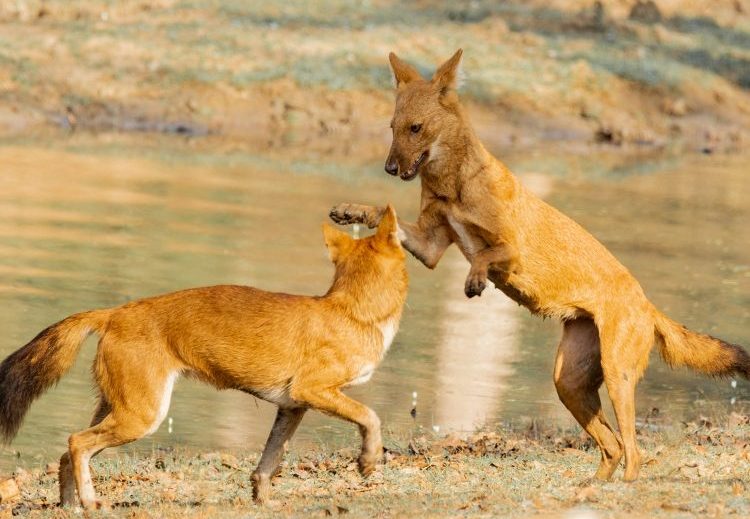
x: 709, y: 355
x: 31, y: 370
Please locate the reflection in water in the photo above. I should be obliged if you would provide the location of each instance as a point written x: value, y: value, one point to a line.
x: 478, y: 345
x: 93, y: 226
x: 484, y: 330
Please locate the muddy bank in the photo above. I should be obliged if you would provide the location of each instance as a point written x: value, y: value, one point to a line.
x: 613, y: 72
x: 695, y: 468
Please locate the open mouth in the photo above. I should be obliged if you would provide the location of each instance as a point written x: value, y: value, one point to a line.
x: 413, y: 171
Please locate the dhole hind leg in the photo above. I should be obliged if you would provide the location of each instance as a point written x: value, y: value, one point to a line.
x: 578, y: 376
x: 625, y: 349
x: 139, y: 402
x: 283, y: 428
x: 334, y: 402
x: 111, y: 432
x: 65, y: 475
x: 66, y: 480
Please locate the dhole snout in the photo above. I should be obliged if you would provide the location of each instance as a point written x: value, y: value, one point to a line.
x: 407, y: 169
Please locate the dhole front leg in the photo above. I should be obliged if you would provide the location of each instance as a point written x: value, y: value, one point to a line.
x: 67, y: 482
x: 503, y: 258
x: 334, y: 402
x: 283, y: 428
x: 426, y: 240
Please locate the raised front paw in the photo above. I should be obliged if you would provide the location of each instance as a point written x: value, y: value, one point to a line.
x: 345, y: 214
x: 475, y: 284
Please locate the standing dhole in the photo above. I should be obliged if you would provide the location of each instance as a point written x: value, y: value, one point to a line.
x: 538, y: 257
x: 297, y: 352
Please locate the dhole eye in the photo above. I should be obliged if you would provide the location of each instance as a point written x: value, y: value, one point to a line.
x: 415, y: 128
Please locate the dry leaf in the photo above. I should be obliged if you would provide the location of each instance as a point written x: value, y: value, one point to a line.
x: 169, y: 495
x: 210, y: 456
x: 575, y: 452
x: 21, y: 476
x: 671, y: 506
x: 301, y: 474
x: 339, y: 485
x: 229, y: 461
x: 9, y: 491
x: 586, y: 494
x: 715, y: 510
x: 736, y: 419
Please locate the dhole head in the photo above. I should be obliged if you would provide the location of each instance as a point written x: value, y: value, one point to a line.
x: 426, y: 112
x: 379, y: 248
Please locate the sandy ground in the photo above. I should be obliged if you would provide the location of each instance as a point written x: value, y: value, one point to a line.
x: 670, y: 73
x: 691, y: 469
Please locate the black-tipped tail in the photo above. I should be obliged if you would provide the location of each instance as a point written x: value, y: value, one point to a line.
x: 704, y: 353
x: 34, y: 368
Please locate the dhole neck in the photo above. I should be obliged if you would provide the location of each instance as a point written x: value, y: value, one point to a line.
x: 369, y: 298
x: 464, y: 156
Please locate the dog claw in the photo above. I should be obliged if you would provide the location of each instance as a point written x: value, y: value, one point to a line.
x: 474, y: 286
x: 366, y: 467
x: 345, y: 214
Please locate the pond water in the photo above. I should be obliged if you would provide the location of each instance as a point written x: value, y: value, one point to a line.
x: 95, y: 221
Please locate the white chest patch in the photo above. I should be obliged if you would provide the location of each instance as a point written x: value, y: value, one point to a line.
x: 435, y: 149
x: 363, y: 376
x: 388, y: 329
x: 277, y: 395
x: 400, y: 234
x: 466, y: 243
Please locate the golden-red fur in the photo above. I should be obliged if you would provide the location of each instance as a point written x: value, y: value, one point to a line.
x: 538, y: 257
x: 295, y: 351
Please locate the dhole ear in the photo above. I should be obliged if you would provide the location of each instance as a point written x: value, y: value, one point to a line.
x: 388, y: 227
x: 448, y: 76
x: 403, y: 73
x: 336, y: 241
